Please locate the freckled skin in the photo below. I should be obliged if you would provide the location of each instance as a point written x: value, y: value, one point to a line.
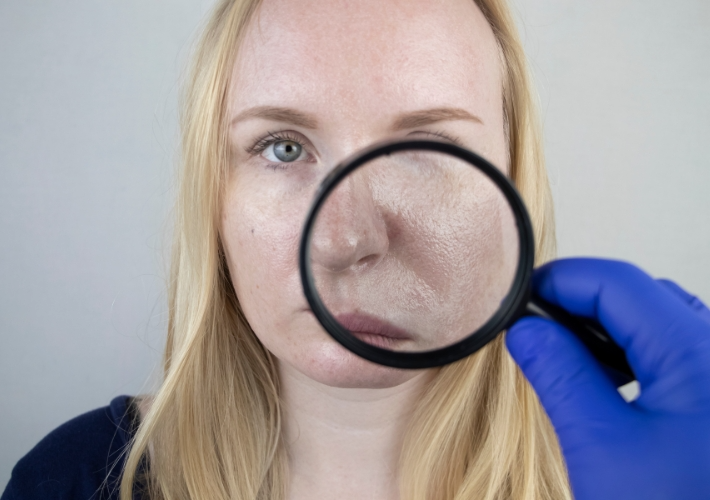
x: 354, y: 66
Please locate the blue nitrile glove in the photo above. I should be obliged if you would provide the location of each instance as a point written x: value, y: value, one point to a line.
x: 656, y: 447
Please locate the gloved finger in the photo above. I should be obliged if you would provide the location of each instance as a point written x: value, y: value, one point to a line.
x: 570, y: 383
x: 656, y: 329
x: 695, y: 303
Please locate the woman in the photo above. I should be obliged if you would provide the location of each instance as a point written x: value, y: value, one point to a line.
x: 257, y: 401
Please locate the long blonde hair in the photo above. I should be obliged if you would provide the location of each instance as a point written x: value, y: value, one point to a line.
x: 214, y: 427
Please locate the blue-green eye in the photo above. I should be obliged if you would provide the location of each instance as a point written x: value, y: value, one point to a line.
x: 284, y: 151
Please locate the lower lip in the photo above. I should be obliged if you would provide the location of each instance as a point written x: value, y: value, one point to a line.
x: 373, y: 331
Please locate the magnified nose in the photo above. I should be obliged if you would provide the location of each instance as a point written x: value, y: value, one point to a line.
x: 350, y: 231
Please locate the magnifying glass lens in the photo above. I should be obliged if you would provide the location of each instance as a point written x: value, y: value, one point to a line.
x: 414, y: 251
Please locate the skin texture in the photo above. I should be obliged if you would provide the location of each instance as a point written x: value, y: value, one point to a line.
x: 351, y: 74
x: 419, y: 241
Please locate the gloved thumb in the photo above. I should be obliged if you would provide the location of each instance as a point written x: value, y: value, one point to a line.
x: 572, y: 386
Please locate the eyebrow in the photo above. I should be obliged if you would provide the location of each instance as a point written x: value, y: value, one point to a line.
x: 278, y: 114
x: 405, y: 121
x: 428, y: 116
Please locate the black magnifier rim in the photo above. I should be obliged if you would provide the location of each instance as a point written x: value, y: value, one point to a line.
x: 511, y: 306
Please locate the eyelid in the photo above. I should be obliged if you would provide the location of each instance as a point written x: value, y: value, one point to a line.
x: 440, y: 134
x: 263, y: 142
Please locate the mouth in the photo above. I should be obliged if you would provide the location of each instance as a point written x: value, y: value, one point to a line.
x: 373, y: 331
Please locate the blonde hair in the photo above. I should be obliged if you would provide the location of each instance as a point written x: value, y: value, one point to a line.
x: 214, y: 427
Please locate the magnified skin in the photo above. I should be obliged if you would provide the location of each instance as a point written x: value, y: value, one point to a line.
x: 414, y: 251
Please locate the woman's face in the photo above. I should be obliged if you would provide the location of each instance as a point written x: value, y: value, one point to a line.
x: 315, y: 82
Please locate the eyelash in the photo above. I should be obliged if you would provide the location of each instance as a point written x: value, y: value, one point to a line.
x: 260, y: 145
x: 440, y: 134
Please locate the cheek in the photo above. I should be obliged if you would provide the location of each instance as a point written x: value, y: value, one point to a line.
x: 260, y: 232
x: 261, y: 229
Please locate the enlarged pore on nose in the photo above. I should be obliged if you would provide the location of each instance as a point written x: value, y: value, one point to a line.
x: 349, y: 231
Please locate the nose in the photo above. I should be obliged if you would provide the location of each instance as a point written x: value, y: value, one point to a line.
x: 349, y: 231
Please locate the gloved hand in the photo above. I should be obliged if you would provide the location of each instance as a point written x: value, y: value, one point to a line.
x: 656, y: 447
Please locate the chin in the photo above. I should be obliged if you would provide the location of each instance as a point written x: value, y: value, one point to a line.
x: 332, y: 365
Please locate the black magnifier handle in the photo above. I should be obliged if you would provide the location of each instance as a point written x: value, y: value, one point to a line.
x: 591, y: 333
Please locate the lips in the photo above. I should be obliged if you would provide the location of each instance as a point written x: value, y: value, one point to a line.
x: 373, y: 331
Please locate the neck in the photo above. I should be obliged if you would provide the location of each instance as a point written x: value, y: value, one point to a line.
x: 345, y: 443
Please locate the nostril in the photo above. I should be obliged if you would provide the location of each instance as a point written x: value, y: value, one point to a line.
x: 369, y: 261
x: 373, y: 245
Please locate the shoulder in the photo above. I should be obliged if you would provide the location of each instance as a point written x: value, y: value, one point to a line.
x: 81, y: 459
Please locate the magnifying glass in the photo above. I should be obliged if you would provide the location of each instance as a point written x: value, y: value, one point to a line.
x: 416, y: 253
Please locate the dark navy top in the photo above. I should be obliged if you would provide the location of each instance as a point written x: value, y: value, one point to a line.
x: 80, y: 460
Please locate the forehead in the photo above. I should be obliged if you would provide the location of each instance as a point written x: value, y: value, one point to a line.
x: 360, y: 59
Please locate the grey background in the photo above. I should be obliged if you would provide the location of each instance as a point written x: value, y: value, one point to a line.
x: 87, y: 153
